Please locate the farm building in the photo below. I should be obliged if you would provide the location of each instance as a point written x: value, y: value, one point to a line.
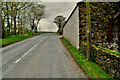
x: 104, y: 33
x: 104, y: 25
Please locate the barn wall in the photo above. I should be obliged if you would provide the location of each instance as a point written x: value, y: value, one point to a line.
x: 71, y: 28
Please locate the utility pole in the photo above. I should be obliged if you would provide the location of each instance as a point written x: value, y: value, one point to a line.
x: 88, y: 29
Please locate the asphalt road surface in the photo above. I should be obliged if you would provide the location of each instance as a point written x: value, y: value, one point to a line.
x: 43, y: 56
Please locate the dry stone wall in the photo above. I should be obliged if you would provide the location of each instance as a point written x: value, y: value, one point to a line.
x: 101, y: 14
x: 82, y: 23
x: 107, y: 61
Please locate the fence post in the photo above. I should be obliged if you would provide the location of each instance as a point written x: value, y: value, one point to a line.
x: 88, y: 30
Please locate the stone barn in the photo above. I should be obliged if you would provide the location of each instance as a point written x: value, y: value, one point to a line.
x: 104, y: 25
x: 105, y: 33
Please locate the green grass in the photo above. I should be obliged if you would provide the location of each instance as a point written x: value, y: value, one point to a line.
x: 15, y: 38
x: 92, y: 69
x: 108, y: 50
x: 57, y: 32
x: 47, y: 32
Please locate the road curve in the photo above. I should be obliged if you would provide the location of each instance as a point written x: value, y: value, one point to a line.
x: 43, y: 56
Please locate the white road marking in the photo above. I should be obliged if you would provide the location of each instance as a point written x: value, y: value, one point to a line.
x: 25, y: 54
x: 18, y: 60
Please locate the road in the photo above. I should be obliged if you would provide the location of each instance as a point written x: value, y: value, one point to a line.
x: 43, y: 56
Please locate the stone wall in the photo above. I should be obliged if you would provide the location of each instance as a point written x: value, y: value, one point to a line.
x: 107, y: 61
x: 101, y: 15
x: 71, y: 28
x: 82, y: 23
x: 75, y: 31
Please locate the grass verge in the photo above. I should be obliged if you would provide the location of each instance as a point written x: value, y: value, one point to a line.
x: 15, y: 38
x: 89, y: 67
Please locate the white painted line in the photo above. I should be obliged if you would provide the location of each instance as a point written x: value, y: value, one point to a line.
x: 25, y: 54
x: 18, y: 60
x: 29, y: 50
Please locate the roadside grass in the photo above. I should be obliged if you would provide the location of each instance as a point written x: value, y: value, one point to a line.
x: 57, y: 32
x: 15, y: 38
x: 47, y: 32
x: 89, y: 67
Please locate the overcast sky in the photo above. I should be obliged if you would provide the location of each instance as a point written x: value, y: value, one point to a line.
x: 51, y: 11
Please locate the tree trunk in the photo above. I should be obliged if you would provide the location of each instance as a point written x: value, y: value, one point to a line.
x: 33, y: 22
x: 8, y: 23
x: 3, y: 30
x: 33, y: 25
x: 18, y: 25
x: 36, y: 29
x: 0, y: 22
x: 15, y: 25
x: 23, y: 28
x: 11, y: 24
x: 59, y: 26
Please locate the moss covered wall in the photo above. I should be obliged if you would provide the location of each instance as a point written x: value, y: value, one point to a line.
x: 107, y: 61
x: 101, y: 15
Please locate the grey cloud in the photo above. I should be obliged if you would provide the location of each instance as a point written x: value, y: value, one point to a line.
x: 51, y: 11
